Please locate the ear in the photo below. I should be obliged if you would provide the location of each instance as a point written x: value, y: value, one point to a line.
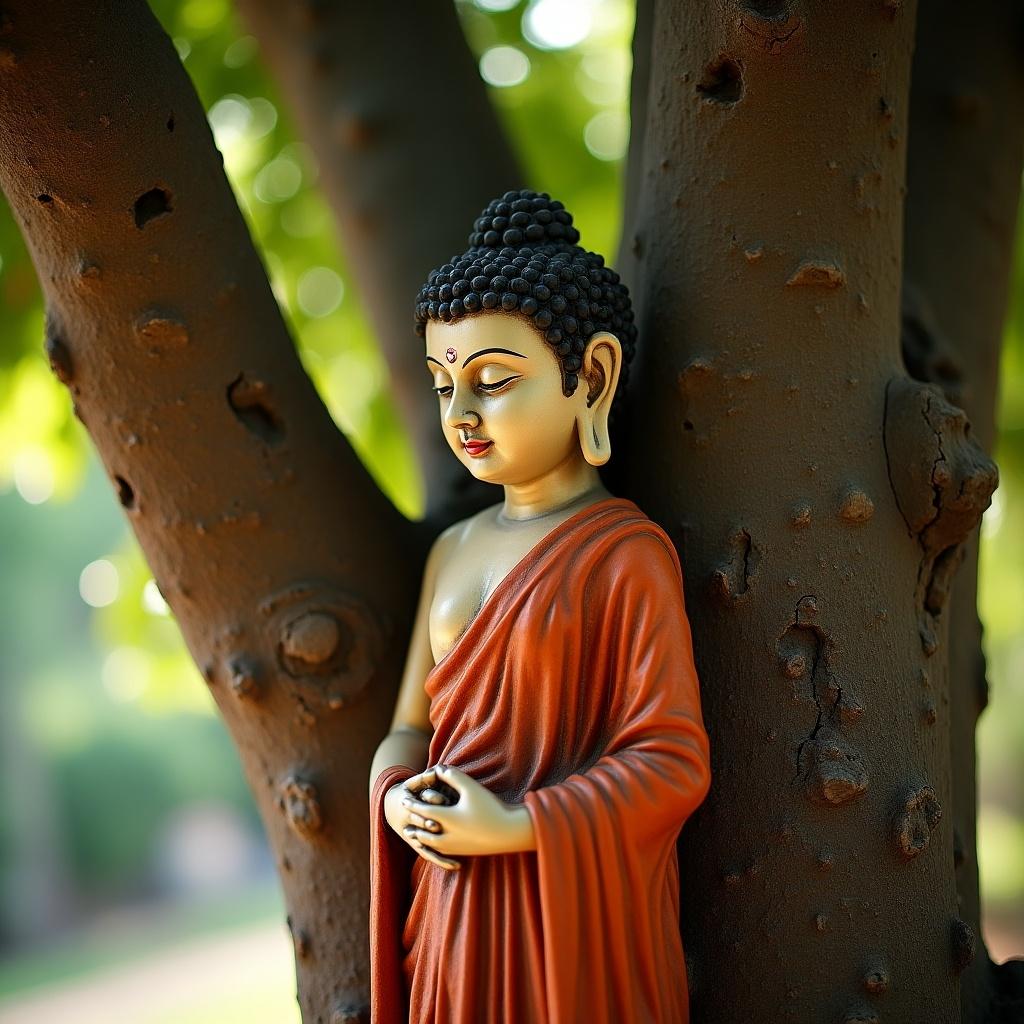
x: 599, y: 375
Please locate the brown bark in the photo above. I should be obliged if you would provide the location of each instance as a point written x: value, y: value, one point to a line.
x: 963, y: 175
x: 291, y: 576
x: 410, y: 151
x: 818, y: 497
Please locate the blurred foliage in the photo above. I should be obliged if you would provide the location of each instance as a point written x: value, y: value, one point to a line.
x: 1001, y: 607
x: 126, y: 786
x: 108, y: 696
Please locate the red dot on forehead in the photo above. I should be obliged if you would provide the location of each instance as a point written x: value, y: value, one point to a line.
x: 451, y: 355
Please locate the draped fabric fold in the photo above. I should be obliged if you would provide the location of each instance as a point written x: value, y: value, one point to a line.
x: 574, y: 692
x: 389, y: 902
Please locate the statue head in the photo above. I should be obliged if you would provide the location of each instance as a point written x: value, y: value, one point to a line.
x: 528, y: 340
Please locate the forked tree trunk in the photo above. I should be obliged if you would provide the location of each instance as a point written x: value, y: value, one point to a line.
x: 410, y: 151
x: 818, y: 495
x: 819, y: 498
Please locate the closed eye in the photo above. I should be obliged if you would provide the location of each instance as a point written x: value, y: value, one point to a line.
x: 497, y: 385
x: 446, y: 389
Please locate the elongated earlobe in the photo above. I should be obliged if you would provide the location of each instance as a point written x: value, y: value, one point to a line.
x: 599, y: 375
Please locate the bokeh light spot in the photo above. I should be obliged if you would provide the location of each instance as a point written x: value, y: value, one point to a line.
x: 240, y: 52
x: 607, y: 135
x: 33, y: 475
x: 99, y: 583
x: 264, y: 117
x: 557, y: 24
x: 320, y: 291
x: 504, y: 66
x: 203, y: 15
x: 278, y: 180
x: 229, y: 119
x: 125, y: 673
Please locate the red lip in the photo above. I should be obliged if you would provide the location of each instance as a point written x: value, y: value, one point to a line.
x: 477, y: 447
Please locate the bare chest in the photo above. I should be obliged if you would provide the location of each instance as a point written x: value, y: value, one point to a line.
x: 466, y: 581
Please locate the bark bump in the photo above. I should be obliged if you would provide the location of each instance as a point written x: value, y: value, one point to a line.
x: 942, y: 481
x: 250, y: 401
x: 330, y: 643
x: 59, y: 357
x: 299, y: 800
x: 916, y: 822
x: 964, y: 944
x: 161, y: 331
x: 817, y: 274
x: 244, y: 675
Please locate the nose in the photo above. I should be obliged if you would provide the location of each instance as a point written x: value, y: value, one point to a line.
x: 457, y: 416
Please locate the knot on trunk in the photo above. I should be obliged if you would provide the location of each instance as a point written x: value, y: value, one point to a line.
x: 942, y: 481
x: 328, y: 641
x: 916, y: 820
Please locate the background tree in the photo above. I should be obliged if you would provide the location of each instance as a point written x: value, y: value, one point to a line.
x: 763, y: 240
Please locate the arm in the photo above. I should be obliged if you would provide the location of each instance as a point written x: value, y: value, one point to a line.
x: 409, y: 739
x: 403, y: 752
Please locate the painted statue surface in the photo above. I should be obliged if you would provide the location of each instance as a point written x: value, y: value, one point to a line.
x: 547, y: 743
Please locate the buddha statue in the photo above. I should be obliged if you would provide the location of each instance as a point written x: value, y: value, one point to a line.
x: 547, y: 743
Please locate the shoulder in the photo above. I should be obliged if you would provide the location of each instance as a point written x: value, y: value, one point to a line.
x: 452, y: 536
x: 635, y: 576
x: 632, y: 544
x: 638, y: 549
x: 626, y: 563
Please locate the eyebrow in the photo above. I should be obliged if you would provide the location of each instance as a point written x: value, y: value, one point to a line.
x: 482, y: 352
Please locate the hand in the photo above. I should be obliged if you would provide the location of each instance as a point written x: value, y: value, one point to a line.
x: 399, y: 817
x: 478, y: 823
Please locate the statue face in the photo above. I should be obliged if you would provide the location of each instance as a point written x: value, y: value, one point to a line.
x: 498, y: 381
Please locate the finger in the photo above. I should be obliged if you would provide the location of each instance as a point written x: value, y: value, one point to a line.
x: 441, y: 814
x: 432, y: 796
x: 454, y: 777
x: 424, y: 851
x: 428, y: 854
x: 420, y: 822
x: 425, y: 837
x: 427, y: 777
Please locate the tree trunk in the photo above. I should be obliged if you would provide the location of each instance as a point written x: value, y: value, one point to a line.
x: 292, y: 578
x: 963, y: 178
x: 819, y: 498
x: 410, y: 151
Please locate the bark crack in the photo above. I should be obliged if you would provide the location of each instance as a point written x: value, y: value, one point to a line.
x: 815, y: 661
x: 888, y: 459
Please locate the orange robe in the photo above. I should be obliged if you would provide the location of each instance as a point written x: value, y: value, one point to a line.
x: 574, y: 692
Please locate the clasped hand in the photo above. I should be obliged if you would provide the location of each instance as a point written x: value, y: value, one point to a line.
x: 479, y: 823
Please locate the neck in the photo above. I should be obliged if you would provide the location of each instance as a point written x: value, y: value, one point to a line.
x: 572, y: 482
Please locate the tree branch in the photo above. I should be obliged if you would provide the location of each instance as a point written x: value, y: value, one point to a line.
x: 410, y: 151
x: 292, y: 577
